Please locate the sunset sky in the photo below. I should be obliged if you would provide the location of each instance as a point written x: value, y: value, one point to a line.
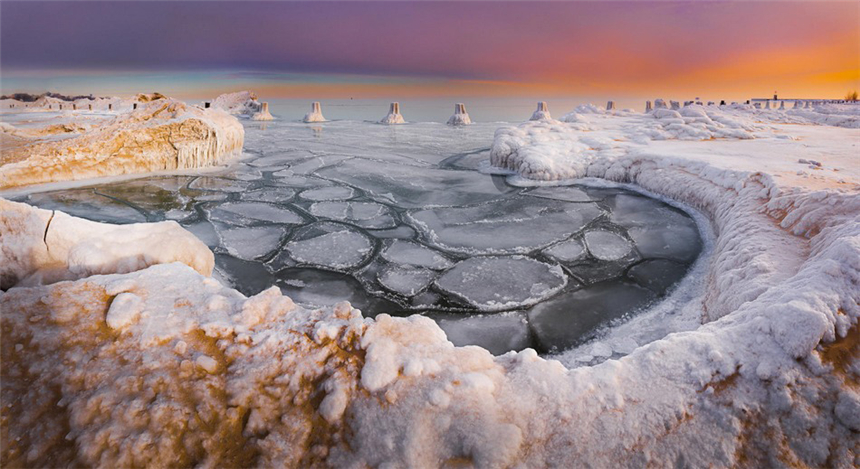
x: 731, y: 50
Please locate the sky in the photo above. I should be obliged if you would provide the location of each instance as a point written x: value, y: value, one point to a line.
x: 671, y: 49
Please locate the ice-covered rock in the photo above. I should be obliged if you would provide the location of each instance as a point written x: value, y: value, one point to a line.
x: 460, y: 117
x: 541, y: 113
x: 316, y: 113
x: 648, y: 106
x: 263, y: 114
x: 164, y: 134
x: 659, y: 104
x: 610, y: 105
x: 41, y: 246
x: 393, y: 116
x: 501, y: 283
x: 238, y: 103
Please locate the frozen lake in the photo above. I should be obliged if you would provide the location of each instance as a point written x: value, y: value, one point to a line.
x: 399, y: 219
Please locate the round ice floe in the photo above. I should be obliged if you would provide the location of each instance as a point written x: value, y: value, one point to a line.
x: 506, y: 226
x: 251, y: 243
x: 406, y: 281
x: 567, y: 251
x: 218, y: 184
x: 500, y: 283
x: 364, y: 214
x: 606, y: 245
x: 569, y: 194
x: 498, y: 333
x: 337, y: 250
x: 328, y: 193
x: 412, y: 253
x: 255, y: 211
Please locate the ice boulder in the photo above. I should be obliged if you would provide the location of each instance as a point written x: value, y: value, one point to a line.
x: 659, y: 104
x: 263, y: 115
x: 393, y: 116
x: 675, y: 105
x: 782, y: 105
x: 316, y: 113
x: 542, y: 112
x: 460, y: 117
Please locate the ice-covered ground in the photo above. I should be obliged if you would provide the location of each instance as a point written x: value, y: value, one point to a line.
x: 164, y: 366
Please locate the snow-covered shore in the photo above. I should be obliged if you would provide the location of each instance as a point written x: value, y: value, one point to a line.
x: 160, y: 134
x: 165, y: 366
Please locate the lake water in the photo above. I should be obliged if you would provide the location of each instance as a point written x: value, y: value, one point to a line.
x: 399, y: 220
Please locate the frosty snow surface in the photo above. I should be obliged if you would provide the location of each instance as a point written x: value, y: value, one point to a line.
x: 399, y: 220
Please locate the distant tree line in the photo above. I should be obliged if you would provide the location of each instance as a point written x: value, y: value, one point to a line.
x: 29, y: 98
x: 851, y: 96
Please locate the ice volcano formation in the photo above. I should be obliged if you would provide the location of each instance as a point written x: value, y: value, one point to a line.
x: 495, y: 265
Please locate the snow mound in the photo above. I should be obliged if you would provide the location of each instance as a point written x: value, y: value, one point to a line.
x: 163, y: 134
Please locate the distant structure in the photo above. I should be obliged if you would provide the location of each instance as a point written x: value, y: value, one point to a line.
x: 263, y: 113
x: 207, y: 105
x: 393, y: 116
x: 722, y: 102
x: 316, y: 113
x: 610, y: 106
x: 659, y: 104
x: 460, y: 117
x: 648, y: 106
x: 542, y: 112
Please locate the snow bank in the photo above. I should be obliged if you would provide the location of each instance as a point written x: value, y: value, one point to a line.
x: 42, y: 246
x: 163, y: 134
x: 165, y: 367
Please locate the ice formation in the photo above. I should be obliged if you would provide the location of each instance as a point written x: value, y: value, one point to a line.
x: 393, y: 116
x: 163, y: 134
x: 541, y: 113
x: 316, y: 113
x: 460, y: 117
x: 238, y: 103
x: 264, y: 114
x: 163, y: 366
